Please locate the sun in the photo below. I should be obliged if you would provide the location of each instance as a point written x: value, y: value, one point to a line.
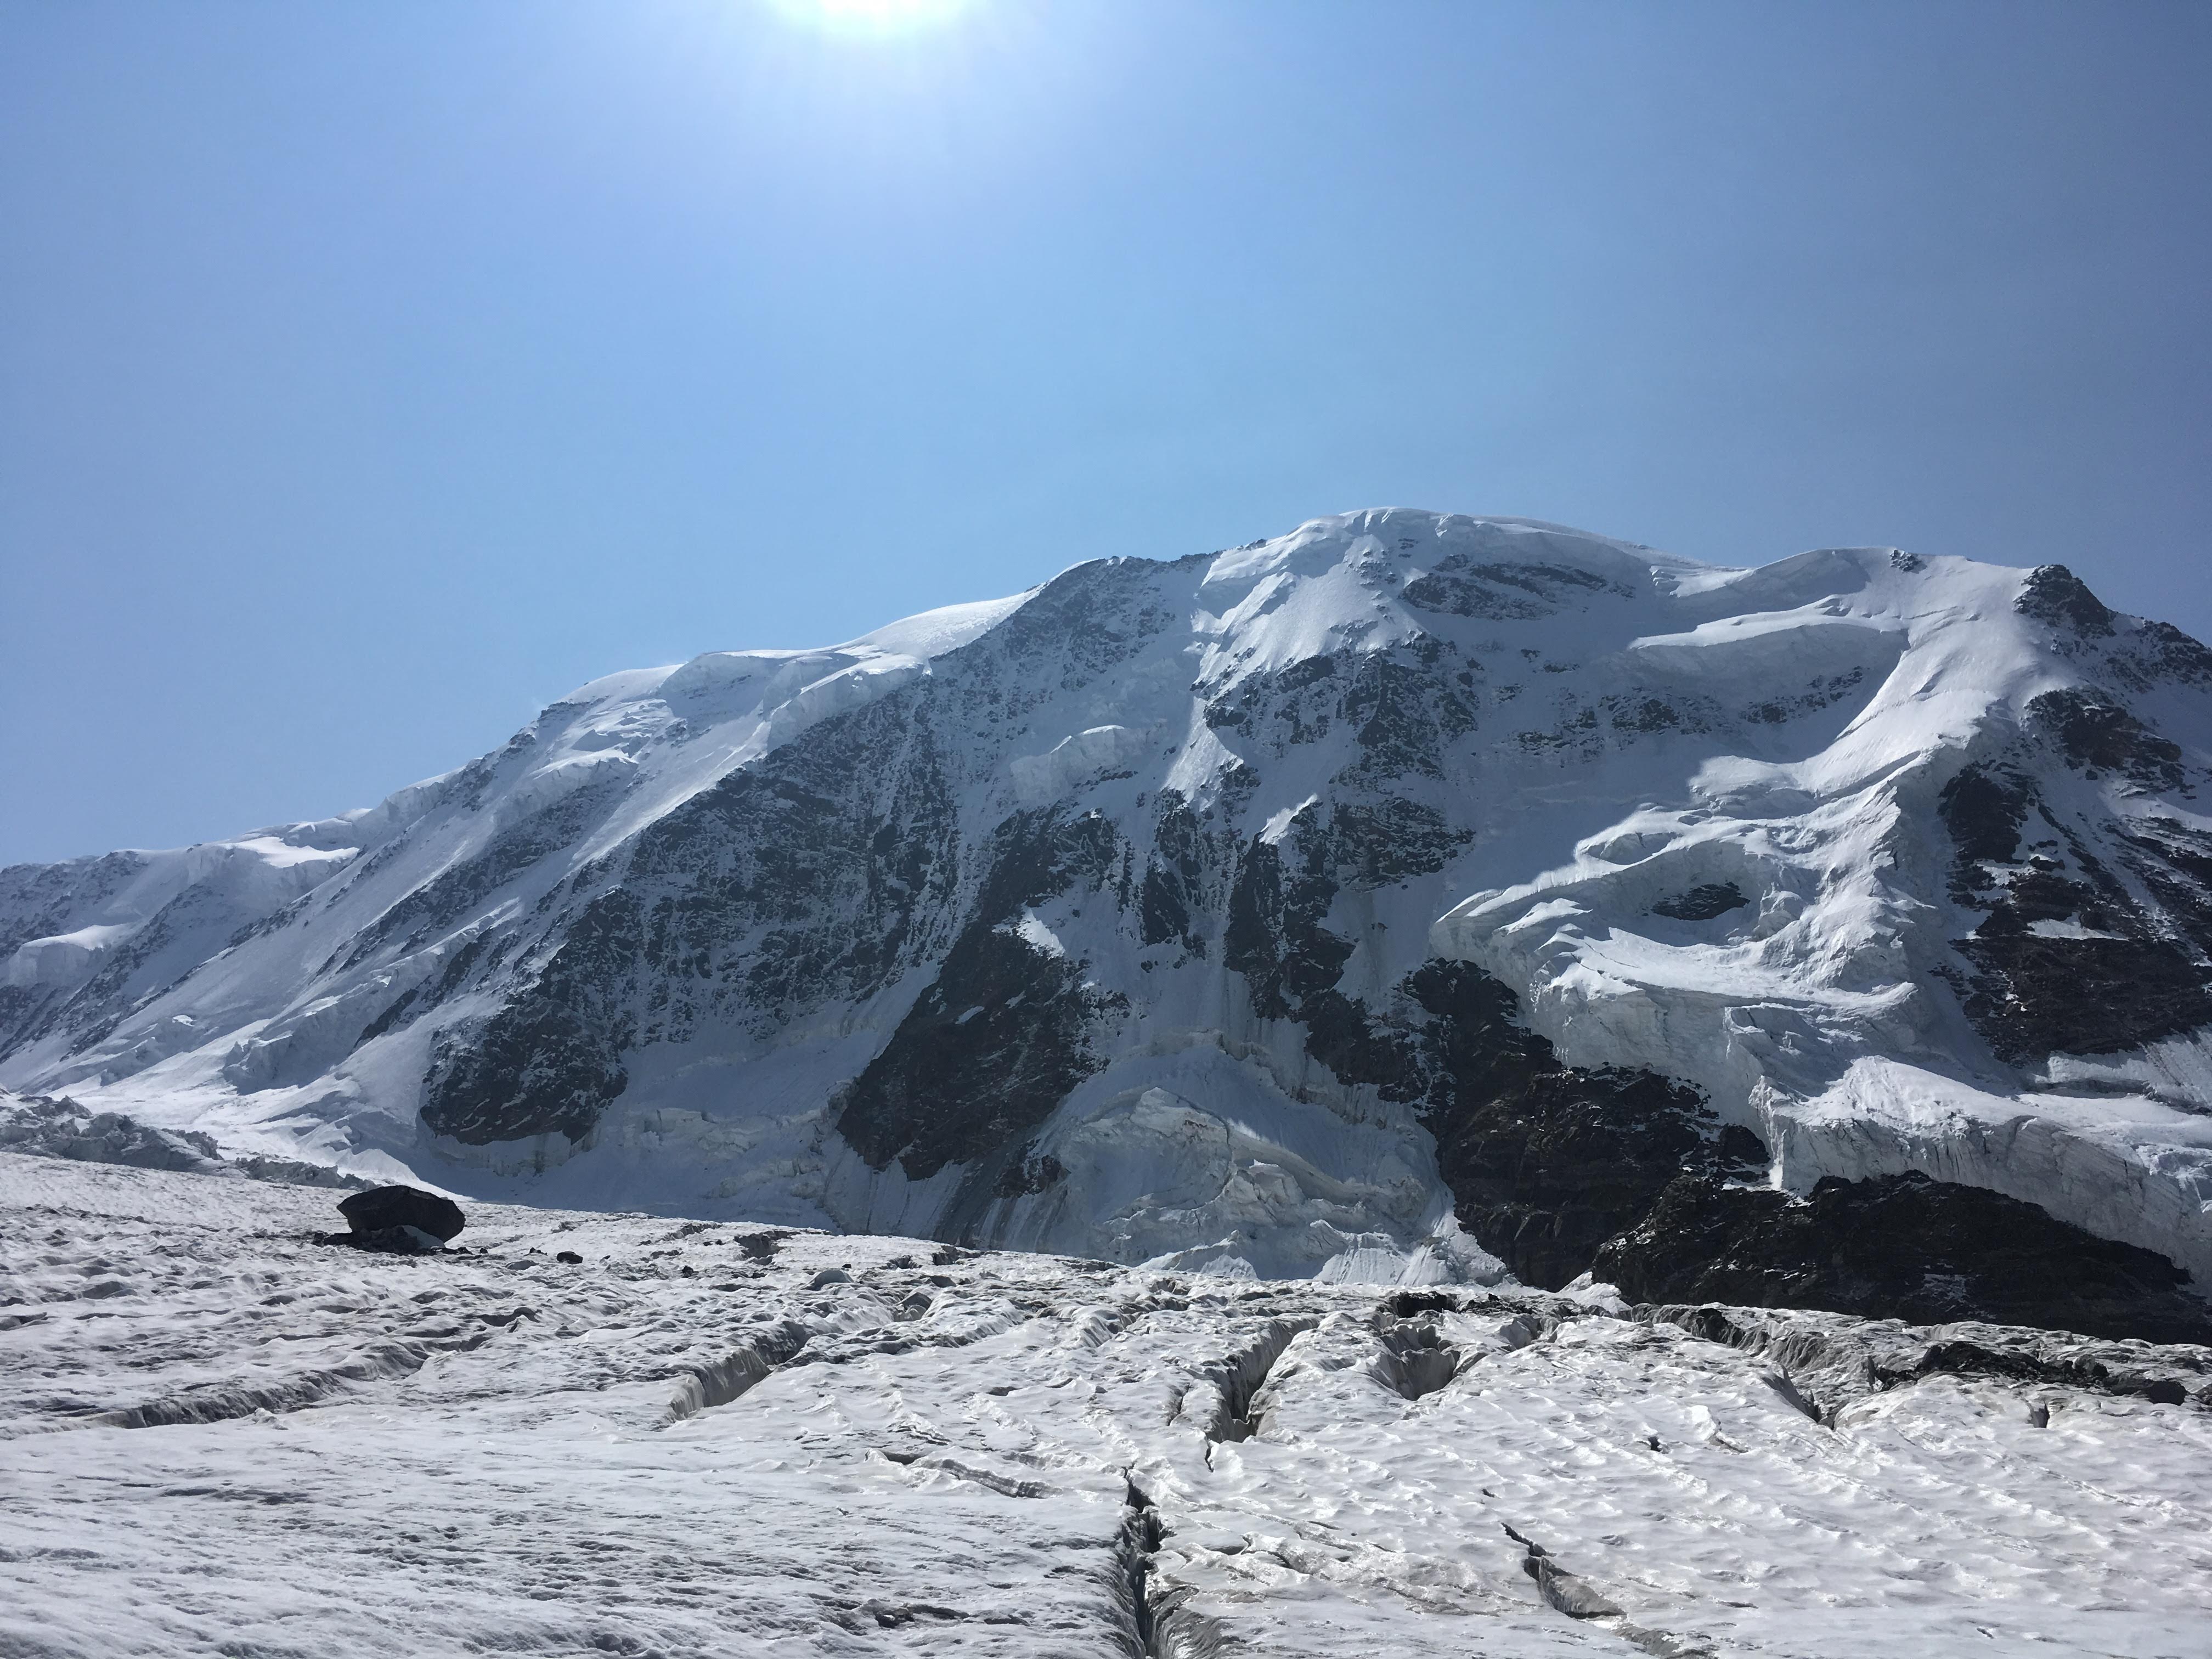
x: 873, y: 16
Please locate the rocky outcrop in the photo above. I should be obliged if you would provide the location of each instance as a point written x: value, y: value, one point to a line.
x: 2068, y: 959
x: 1545, y: 1161
x: 1927, y: 1252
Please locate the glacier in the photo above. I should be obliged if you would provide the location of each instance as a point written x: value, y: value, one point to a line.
x: 592, y: 1433
x: 1261, y: 913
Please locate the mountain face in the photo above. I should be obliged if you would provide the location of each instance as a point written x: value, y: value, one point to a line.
x: 1408, y: 896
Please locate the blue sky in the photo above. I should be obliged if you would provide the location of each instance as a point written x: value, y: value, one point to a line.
x: 370, y: 375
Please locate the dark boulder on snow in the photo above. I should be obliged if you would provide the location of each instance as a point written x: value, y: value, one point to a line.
x: 383, y: 1208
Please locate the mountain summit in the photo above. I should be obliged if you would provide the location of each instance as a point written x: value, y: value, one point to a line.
x: 1409, y: 896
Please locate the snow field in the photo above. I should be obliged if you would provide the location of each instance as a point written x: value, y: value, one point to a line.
x: 713, y: 1438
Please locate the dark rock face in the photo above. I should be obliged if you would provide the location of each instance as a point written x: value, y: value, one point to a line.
x: 1459, y: 586
x: 1276, y: 936
x: 1983, y: 809
x: 2174, y: 864
x: 381, y: 1207
x: 1714, y: 898
x: 1902, y: 1247
x: 997, y: 1040
x: 2109, y: 973
x: 2054, y: 594
x: 1545, y: 1161
x: 824, y: 873
x: 450, y: 897
x: 780, y: 888
x: 2163, y: 652
x: 2100, y: 736
x: 982, y: 1059
x: 2037, y: 996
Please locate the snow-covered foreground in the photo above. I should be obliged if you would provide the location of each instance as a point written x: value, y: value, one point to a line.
x: 705, y: 1438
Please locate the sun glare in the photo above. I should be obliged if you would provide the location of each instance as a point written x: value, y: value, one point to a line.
x: 873, y: 16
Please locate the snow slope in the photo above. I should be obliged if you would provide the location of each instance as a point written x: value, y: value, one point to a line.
x: 217, y: 1437
x: 1206, y: 910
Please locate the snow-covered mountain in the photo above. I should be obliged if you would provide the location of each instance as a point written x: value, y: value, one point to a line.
x: 1400, y: 898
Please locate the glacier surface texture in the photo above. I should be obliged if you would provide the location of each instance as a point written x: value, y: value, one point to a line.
x: 705, y: 1438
